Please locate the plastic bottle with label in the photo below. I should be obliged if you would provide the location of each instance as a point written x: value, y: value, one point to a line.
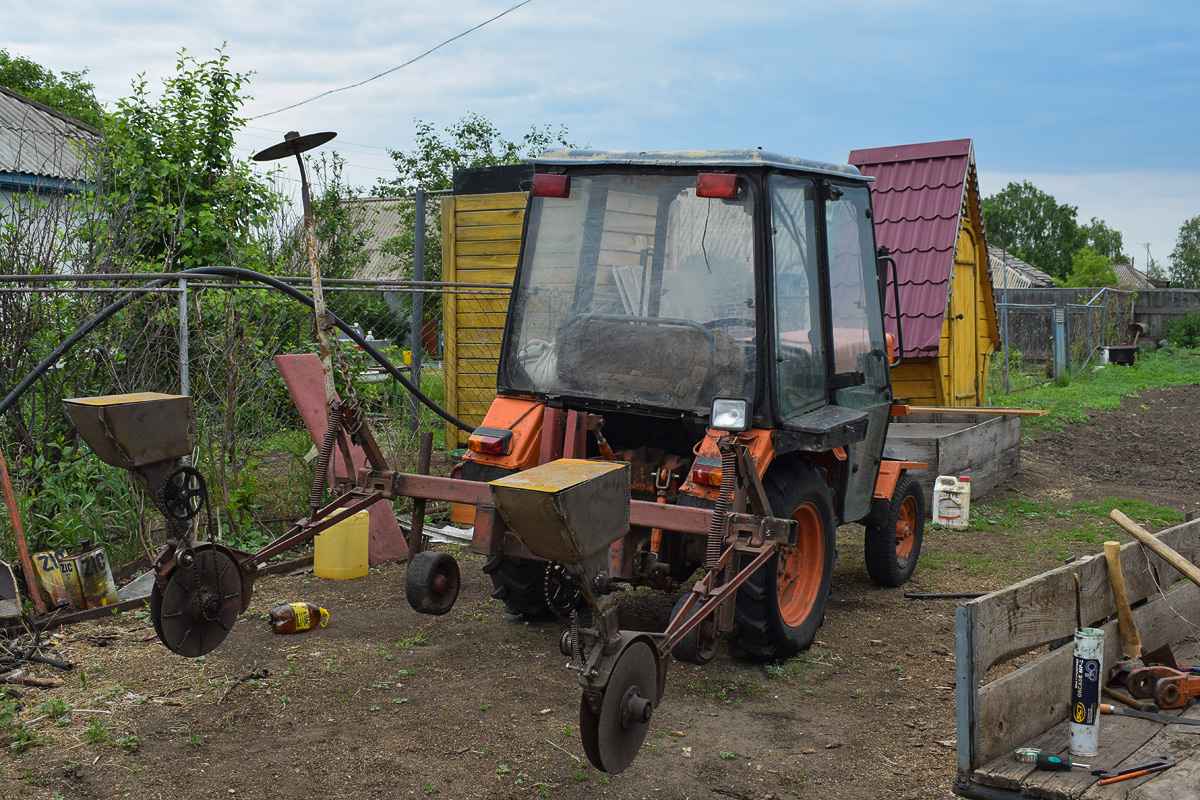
x: 952, y: 501
x: 297, y: 617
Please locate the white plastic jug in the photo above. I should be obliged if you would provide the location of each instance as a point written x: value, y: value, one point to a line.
x: 952, y: 501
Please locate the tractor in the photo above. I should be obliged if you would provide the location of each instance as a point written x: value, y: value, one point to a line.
x: 693, y: 386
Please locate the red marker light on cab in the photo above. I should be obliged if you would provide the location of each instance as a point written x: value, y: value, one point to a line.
x: 545, y: 185
x: 720, y: 185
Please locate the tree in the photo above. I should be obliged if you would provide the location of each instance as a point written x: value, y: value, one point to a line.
x: 1034, y: 227
x: 68, y: 93
x: 1089, y: 268
x: 1185, y: 258
x: 167, y: 168
x: 473, y: 141
x: 1097, y: 236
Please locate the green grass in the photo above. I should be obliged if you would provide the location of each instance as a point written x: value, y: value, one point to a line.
x: 1044, y: 530
x: 1099, y: 390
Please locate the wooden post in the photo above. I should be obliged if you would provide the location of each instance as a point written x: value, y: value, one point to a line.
x: 966, y: 687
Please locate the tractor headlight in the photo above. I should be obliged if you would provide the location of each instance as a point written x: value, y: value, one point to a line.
x: 730, y: 414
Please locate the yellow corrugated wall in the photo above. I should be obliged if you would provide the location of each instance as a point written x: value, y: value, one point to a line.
x: 481, y: 238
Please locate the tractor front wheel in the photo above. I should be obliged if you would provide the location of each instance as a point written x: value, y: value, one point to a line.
x: 781, y: 606
x: 891, y: 549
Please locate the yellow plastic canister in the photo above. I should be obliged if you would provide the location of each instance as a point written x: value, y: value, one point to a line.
x: 50, y: 575
x: 340, y: 552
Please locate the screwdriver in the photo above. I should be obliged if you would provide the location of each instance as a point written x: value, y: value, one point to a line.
x: 1046, y: 761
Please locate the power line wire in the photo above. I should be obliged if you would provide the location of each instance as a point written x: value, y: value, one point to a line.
x: 393, y: 69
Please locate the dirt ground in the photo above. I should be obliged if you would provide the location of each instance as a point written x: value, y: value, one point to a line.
x: 475, y: 704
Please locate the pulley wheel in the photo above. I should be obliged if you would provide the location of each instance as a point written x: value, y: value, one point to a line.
x: 184, y: 494
x: 562, y: 595
x: 199, y: 605
x: 431, y: 584
x: 612, y: 738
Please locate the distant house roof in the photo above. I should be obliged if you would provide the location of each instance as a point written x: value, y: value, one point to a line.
x: 1130, y: 278
x: 39, y: 147
x: 1008, y: 270
x: 919, y: 198
x: 380, y: 218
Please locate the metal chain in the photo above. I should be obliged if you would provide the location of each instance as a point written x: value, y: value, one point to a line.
x: 349, y: 392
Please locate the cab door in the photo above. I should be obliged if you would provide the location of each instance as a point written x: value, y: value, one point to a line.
x: 859, y: 376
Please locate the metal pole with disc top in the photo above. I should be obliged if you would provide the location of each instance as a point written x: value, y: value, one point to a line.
x: 295, y: 144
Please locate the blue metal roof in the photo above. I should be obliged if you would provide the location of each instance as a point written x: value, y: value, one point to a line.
x: 695, y: 158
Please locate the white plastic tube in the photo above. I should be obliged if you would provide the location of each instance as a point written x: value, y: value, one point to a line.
x: 1086, y: 675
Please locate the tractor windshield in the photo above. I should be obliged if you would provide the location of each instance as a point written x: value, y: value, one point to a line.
x: 633, y: 289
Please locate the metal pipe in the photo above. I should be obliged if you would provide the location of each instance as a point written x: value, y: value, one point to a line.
x: 10, y: 500
x: 185, y: 383
x: 418, y: 305
x: 417, y: 530
x: 225, y: 272
x: 328, y: 283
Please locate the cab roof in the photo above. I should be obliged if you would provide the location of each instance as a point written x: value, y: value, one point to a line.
x: 695, y: 158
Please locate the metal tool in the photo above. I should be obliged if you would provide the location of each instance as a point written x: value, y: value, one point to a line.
x: 1108, y: 776
x: 1132, y: 702
x: 1173, y: 689
x: 1106, y: 708
x: 1047, y: 761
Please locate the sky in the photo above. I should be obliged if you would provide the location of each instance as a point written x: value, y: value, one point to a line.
x: 1095, y: 103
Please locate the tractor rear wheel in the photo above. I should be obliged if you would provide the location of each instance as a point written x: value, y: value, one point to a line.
x: 891, y: 550
x: 521, y: 584
x: 781, y: 606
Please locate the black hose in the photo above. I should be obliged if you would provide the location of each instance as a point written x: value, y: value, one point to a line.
x: 223, y: 272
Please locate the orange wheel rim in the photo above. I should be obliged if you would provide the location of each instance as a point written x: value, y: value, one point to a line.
x: 801, y: 568
x: 906, y: 522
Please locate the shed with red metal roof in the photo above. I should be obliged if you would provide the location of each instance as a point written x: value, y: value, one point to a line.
x: 926, y: 206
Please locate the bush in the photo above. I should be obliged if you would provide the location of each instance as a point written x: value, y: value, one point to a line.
x: 1184, y: 331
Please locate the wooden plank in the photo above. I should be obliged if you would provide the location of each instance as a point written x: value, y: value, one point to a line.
x: 1040, y: 610
x: 490, y: 233
x: 966, y: 688
x: 480, y: 317
x: 478, y: 358
x: 466, y: 219
x: 1118, y: 741
x: 959, y: 451
x: 468, y: 336
x: 492, y: 247
x: 450, y: 322
x: 471, y: 273
x: 491, y: 202
x: 1180, y: 782
x: 1006, y: 772
x: 989, y: 474
x: 990, y: 410
x: 480, y: 372
x: 1029, y: 700
x: 468, y: 265
x: 906, y: 449
x: 470, y: 382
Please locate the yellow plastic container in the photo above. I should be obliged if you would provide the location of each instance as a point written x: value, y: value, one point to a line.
x: 340, y: 553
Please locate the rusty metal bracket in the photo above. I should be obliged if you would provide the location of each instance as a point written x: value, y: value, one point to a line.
x: 754, y: 488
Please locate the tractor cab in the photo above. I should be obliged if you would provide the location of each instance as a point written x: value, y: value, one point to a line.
x: 651, y: 284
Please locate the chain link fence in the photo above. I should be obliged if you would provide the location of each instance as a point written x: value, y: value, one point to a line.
x: 215, y: 340
x: 1043, y: 341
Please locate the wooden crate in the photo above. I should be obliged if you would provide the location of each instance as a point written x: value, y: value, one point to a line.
x: 1027, y: 707
x: 987, y: 448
